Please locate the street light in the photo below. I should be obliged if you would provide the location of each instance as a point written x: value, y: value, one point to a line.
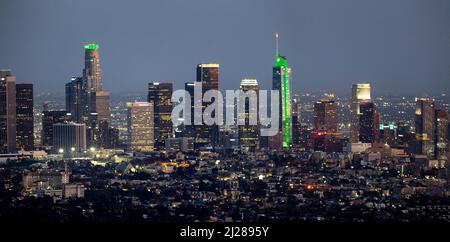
x: 61, y: 151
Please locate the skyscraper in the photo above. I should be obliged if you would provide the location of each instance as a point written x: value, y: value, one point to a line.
x: 102, y: 106
x: 74, y: 94
x: 69, y: 137
x: 24, y: 114
x: 367, y: 122
x: 296, y: 122
x: 360, y: 94
x: 325, y: 116
x: 7, y: 112
x: 249, y: 133
x: 281, y: 82
x: 48, y: 119
x: 92, y: 71
x: 441, y: 132
x: 424, y: 126
x: 160, y: 95
x: 208, y: 76
x: 189, y: 130
x: 140, y: 126
x: 92, y: 80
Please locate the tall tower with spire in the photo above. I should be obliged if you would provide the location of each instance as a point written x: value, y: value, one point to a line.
x: 281, y: 82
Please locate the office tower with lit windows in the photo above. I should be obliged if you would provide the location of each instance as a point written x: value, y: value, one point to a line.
x: 74, y: 94
x: 424, y: 126
x: 160, y: 94
x: 441, y: 133
x: 92, y: 72
x: 360, y: 94
x: 7, y: 112
x: 24, y: 117
x: 69, y: 137
x: 248, y: 133
x: 49, y: 118
x: 325, y: 116
x: 92, y: 81
x: 367, y: 122
x: 102, y: 107
x: 140, y: 126
x: 208, y: 76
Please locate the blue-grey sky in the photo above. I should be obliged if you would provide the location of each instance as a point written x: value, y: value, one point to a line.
x: 400, y: 46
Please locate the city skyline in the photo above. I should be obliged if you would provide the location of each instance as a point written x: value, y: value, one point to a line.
x: 327, y: 48
x: 174, y: 117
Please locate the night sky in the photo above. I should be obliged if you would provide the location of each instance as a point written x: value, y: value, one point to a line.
x: 399, y: 46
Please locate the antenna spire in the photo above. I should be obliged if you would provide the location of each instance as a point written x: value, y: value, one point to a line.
x: 276, y: 44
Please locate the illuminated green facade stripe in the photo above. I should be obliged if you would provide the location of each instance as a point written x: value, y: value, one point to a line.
x: 282, y: 63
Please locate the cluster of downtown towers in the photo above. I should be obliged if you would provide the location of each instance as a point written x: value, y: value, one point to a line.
x: 86, y: 122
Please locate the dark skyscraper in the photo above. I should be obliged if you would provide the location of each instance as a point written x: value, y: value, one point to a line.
x: 160, y: 95
x: 188, y: 130
x: 73, y: 98
x: 367, y: 122
x: 208, y: 76
x: 296, y: 122
x: 441, y: 132
x: 7, y: 112
x: 325, y: 116
x: 24, y: 114
x: 424, y: 123
x: 50, y: 118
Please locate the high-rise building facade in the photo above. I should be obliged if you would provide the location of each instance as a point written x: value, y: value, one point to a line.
x: 140, y: 126
x: 92, y: 71
x: 367, y: 122
x: 281, y: 82
x: 360, y: 94
x: 296, y: 122
x: 69, y: 137
x: 424, y: 126
x: 325, y: 116
x: 208, y: 76
x: 74, y: 94
x: 160, y: 94
x: 189, y: 130
x: 7, y: 112
x: 441, y: 133
x: 248, y: 132
x: 102, y: 106
x: 92, y: 81
x: 49, y: 118
x: 24, y: 117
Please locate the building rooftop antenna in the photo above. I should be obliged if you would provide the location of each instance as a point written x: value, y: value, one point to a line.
x: 276, y: 43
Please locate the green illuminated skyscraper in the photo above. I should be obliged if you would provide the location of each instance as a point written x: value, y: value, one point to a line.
x: 281, y: 82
